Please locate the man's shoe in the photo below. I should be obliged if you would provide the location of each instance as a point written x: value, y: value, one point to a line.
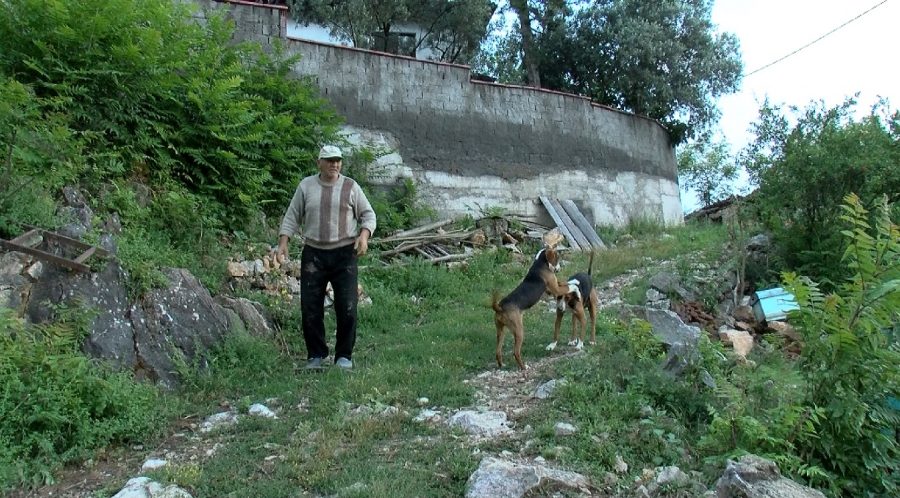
x: 344, y: 363
x: 314, y: 364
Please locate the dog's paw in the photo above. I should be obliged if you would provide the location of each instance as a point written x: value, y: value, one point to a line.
x: 592, y: 343
x: 573, y: 342
x: 551, y: 346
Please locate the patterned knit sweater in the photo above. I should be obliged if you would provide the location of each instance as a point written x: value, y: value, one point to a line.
x: 331, y: 214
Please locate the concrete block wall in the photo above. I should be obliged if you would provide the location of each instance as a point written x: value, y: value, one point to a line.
x: 467, y: 143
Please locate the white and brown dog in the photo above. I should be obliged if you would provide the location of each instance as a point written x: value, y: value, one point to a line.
x: 582, y: 294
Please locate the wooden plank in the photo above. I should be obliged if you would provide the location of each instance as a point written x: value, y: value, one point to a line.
x: 21, y: 239
x: 418, y: 230
x: 72, y: 242
x: 86, y: 254
x: 46, y: 256
x: 559, y: 222
x: 583, y: 243
x: 583, y: 224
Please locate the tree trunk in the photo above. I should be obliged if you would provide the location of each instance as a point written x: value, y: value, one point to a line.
x: 529, y: 60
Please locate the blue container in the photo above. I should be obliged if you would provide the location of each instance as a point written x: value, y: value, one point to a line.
x: 773, y: 304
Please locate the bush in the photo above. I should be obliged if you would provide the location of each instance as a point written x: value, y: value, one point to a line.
x: 57, y: 406
x: 158, y: 95
x: 848, y: 361
x: 804, y: 172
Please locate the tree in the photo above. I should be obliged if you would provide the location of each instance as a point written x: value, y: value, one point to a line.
x: 707, y: 168
x: 660, y: 59
x: 529, y: 55
x: 453, y: 29
x: 805, y: 170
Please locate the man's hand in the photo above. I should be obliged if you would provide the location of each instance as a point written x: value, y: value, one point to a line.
x: 362, y: 242
x: 280, y: 253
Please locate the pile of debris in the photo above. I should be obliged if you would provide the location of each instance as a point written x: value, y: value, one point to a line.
x: 281, y: 277
x: 438, y: 245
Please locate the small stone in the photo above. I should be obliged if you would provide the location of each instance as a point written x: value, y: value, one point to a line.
x: 153, y: 464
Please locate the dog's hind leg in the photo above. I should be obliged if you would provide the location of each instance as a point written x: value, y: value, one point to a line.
x: 500, y: 333
x: 594, y: 305
x: 518, y: 331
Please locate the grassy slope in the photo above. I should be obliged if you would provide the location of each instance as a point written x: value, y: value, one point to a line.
x: 405, y: 351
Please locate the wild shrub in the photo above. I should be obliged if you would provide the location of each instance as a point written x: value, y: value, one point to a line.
x: 848, y: 363
x: 805, y: 170
x: 56, y: 405
x: 155, y: 93
x: 38, y: 153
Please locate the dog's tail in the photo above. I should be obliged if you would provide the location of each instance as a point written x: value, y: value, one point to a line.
x: 495, y: 301
x: 591, y: 263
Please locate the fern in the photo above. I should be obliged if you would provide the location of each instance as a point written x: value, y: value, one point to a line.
x: 848, y: 361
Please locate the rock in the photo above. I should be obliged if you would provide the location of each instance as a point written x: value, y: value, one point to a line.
x: 143, y: 487
x: 562, y: 429
x: 740, y: 341
x: 496, y: 478
x: 261, y: 410
x: 486, y: 423
x: 667, y: 325
x: 427, y: 415
x: 251, y: 315
x: 111, y: 336
x: 743, y: 313
x: 755, y: 477
x: 670, y: 475
x: 670, y: 284
x: 182, y: 319
x: 218, y: 420
x: 760, y: 242
x: 546, y: 389
x: 620, y: 466
x: 153, y: 464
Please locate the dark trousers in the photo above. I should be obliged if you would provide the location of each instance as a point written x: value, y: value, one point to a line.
x: 317, y: 268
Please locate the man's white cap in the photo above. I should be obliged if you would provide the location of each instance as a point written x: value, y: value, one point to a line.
x: 330, y: 151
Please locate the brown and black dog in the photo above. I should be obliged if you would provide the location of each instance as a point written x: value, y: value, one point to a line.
x: 540, y: 278
x: 586, y: 296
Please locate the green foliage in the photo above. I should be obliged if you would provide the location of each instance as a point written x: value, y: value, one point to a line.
x: 660, y: 59
x: 156, y: 94
x: 38, y: 153
x: 805, y: 170
x: 707, y: 168
x: 848, y: 362
x: 57, y: 406
x: 454, y: 29
x: 396, y: 207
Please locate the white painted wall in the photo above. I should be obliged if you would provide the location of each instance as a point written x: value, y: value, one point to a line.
x: 608, y: 198
x: 319, y: 33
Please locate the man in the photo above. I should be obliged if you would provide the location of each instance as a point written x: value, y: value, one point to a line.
x: 337, y: 222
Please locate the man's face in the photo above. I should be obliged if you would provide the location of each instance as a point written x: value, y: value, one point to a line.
x: 330, y: 168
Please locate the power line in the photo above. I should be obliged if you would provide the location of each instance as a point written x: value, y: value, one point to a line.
x: 751, y: 73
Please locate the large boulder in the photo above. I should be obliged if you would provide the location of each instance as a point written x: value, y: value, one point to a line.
x: 148, y: 337
x: 497, y: 478
x: 175, y: 324
x: 755, y: 477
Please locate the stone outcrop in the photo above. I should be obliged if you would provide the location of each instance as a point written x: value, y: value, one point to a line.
x: 147, y: 336
x: 755, y: 477
x: 497, y: 478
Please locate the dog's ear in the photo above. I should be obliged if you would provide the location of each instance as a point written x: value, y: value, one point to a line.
x: 552, y: 255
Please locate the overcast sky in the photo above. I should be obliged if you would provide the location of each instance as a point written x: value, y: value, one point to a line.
x: 860, y: 57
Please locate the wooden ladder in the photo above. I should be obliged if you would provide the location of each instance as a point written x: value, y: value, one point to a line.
x: 27, y: 243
